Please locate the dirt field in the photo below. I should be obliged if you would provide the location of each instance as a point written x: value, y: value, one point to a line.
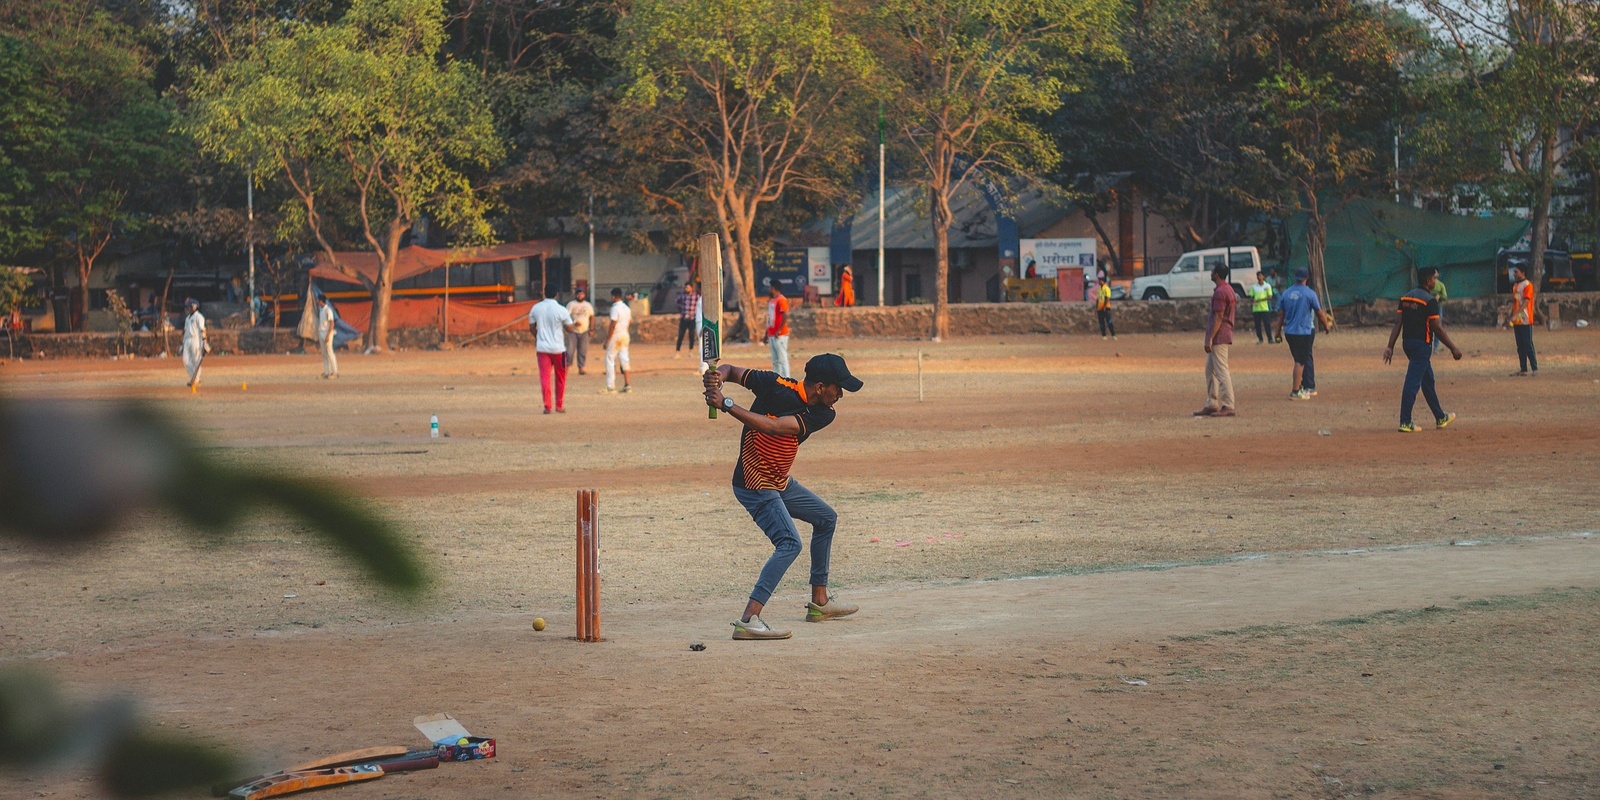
x: 1315, y: 604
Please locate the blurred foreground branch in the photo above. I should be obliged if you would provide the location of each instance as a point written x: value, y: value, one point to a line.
x: 71, y: 473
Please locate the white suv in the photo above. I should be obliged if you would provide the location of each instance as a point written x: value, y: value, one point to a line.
x: 1191, y: 276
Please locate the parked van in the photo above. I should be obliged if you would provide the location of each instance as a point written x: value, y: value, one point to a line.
x: 1191, y: 276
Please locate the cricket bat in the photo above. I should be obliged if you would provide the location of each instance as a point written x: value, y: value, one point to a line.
x: 291, y: 782
x: 365, y: 754
x: 710, y: 303
x: 413, y: 760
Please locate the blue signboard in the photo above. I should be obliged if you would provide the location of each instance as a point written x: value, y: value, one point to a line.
x: 789, y: 266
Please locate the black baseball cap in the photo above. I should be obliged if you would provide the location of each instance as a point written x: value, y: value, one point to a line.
x: 830, y: 368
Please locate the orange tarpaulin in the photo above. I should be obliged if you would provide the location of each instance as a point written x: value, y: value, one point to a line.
x: 413, y: 260
x: 466, y: 318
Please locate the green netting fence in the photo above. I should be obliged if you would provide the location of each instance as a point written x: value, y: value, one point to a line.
x: 1375, y: 247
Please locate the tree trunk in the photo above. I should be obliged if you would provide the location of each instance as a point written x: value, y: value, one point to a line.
x: 940, y: 205
x: 77, y: 322
x: 750, y: 307
x: 383, y: 289
x: 1105, y: 239
x: 1541, y: 209
x: 736, y: 250
x: 1316, y: 247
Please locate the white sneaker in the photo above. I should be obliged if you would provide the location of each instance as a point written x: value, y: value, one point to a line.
x: 833, y: 609
x: 755, y: 629
x: 1300, y: 395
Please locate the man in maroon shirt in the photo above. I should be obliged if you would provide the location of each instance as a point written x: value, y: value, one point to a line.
x: 1219, y: 336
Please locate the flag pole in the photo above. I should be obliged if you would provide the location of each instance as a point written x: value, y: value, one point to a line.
x: 880, y: 200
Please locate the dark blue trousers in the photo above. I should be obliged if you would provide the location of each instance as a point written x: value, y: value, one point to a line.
x: 1419, y: 375
x: 1525, y: 355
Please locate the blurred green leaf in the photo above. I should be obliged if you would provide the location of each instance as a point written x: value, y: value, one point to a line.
x: 369, y: 540
x: 72, y: 471
x: 146, y: 764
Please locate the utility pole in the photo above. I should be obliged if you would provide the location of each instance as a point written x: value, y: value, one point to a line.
x: 880, y: 201
x: 250, y: 240
x: 1397, y: 164
x: 592, y: 295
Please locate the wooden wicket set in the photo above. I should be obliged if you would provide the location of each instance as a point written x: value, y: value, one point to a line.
x: 588, y: 566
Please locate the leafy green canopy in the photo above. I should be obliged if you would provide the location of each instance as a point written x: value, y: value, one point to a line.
x: 84, y: 139
x: 971, y: 82
x: 741, y: 105
x: 363, y: 112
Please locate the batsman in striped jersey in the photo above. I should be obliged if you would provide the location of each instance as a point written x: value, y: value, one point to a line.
x: 784, y: 413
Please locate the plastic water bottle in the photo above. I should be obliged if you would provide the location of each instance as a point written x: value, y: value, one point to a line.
x: 433, y: 426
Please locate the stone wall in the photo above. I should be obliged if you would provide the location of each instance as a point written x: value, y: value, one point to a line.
x: 104, y: 345
x: 1482, y: 312
x: 870, y: 322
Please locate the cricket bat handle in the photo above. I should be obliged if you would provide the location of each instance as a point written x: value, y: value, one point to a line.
x: 711, y: 411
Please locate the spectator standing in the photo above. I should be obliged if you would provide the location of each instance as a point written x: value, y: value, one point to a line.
x: 326, y: 327
x: 1419, y: 321
x: 847, y: 288
x: 1522, y: 317
x: 688, y: 312
x: 1261, y: 307
x: 1219, y: 337
x: 1102, y: 307
x: 549, y: 322
x: 1299, y: 312
x: 617, y: 343
x: 777, y: 334
x: 582, y: 313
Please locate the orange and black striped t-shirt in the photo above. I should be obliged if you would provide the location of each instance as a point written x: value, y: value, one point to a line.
x: 764, y: 460
x: 1418, y: 308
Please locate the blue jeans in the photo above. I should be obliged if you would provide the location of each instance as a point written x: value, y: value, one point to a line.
x: 1419, y: 375
x: 776, y: 512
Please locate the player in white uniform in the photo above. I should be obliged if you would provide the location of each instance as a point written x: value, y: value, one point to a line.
x: 325, y: 330
x: 194, y: 341
x: 617, y: 343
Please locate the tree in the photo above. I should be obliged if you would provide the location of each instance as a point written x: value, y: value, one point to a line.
x: 1532, y: 70
x: 1171, y: 116
x: 970, y: 79
x: 24, y: 122
x: 367, y: 123
x: 95, y: 139
x: 743, y: 102
x: 1314, y: 125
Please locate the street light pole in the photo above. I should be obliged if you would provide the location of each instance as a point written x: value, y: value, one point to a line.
x: 880, y: 201
x: 250, y: 240
x: 591, y: 246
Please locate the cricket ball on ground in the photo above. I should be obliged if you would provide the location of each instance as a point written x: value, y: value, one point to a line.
x: 538, y: 623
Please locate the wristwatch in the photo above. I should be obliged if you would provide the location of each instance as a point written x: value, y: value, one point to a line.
x: 727, y: 404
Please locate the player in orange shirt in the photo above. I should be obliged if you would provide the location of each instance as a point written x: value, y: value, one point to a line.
x: 782, y: 416
x: 777, y: 334
x: 1522, y: 323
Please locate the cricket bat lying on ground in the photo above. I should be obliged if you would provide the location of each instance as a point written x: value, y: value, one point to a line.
x: 329, y: 771
x: 291, y: 782
x: 710, y: 303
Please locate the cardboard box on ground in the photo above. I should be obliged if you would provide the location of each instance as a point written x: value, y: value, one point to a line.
x: 451, y: 738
